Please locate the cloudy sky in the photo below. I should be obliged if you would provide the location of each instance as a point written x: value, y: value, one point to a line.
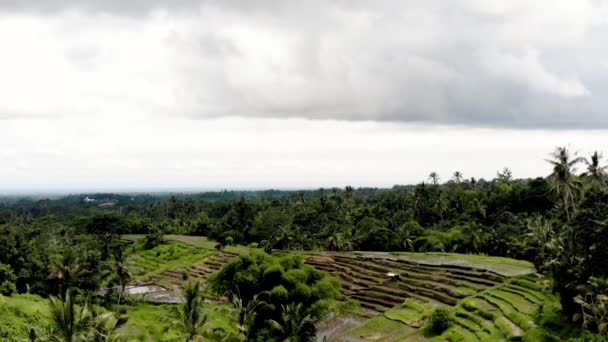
x: 135, y: 95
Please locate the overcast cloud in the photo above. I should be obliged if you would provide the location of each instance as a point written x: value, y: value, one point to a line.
x: 114, y: 94
x: 518, y: 63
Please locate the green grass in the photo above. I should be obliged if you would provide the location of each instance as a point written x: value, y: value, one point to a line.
x: 410, y: 312
x: 196, y: 241
x: 502, y: 265
x: 464, y: 290
x: 378, y: 328
x: 20, y: 313
x: 150, y: 322
x: 164, y: 257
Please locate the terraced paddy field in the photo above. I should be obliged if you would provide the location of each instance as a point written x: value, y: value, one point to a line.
x: 160, y: 271
x: 197, y: 271
x: 487, y: 305
x: 144, y: 263
x: 182, y: 258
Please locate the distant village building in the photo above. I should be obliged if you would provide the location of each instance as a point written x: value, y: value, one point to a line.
x: 88, y: 200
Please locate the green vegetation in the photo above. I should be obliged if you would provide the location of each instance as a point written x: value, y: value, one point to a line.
x: 441, y: 320
x: 467, y: 244
x: 292, y: 296
x: 171, y: 255
x: 20, y: 314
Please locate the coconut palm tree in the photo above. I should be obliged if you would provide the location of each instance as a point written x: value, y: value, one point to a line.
x: 284, y: 237
x: 564, y: 183
x: 190, y: 316
x: 295, y: 324
x: 66, y: 269
x: 457, y: 177
x: 595, y: 172
x: 475, y: 235
x: 434, y: 178
x: 105, y: 329
x: 334, y: 241
x: 539, y: 234
x: 408, y: 239
x: 246, y: 313
x: 122, y: 274
x: 69, y: 323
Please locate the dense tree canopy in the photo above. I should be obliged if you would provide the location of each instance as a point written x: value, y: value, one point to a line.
x: 54, y: 246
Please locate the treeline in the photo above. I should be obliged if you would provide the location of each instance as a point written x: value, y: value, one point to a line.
x: 556, y: 221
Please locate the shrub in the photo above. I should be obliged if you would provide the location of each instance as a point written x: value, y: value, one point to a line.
x: 441, y: 319
x: 589, y: 337
x: 7, y: 280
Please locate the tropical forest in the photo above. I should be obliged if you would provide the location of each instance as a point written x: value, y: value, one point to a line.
x: 452, y: 258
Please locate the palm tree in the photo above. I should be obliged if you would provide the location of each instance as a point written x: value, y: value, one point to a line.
x: 594, y: 171
x: 122, y: 275
x: 457, y: 177
x: 434, y: 178
x: 565, y: 184
x: 441, y: 205
x: 66, y: 269
x: 190, y: 316
x: 105, y: 329
x: 335, y: 241
x: 408, y: 240
x: 538, y: 235
x: 295, y: 325
x: 476, y: 236
x: 284, y: 236
x: 68, y: 322
x: 246, y: 313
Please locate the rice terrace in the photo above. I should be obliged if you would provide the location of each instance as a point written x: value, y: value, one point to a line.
x: 493, y: 299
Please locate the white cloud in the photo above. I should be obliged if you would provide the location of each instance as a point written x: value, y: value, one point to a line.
x: 465, y: 61
x: 528, y: 70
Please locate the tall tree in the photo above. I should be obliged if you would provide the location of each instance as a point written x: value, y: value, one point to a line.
x: 457, y: 177
x: 120, y: 268
x: 69, y: 323
x: 66, y: 269
x: 539, y: 234
x: 564, y: 182
x: 190, y: 316
x: 295, y: 325
x: 434, y: 178
x: 246, y: 313
x: 595, y: 172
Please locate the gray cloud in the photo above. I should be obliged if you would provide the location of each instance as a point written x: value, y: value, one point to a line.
x: 473, y: 62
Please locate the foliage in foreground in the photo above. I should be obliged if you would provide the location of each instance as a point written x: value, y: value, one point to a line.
x: 294, y: 295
